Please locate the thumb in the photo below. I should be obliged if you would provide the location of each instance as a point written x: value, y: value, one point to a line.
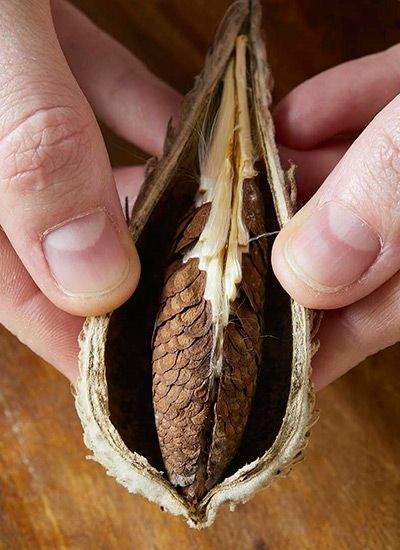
x: 345, y: 242
x: 59, y: 205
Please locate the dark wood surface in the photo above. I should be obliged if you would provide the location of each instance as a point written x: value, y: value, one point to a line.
x: 346, y: 493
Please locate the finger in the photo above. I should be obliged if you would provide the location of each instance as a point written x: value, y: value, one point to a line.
x: 27, y: 313
x: 312, y: 167
x: 339, y: 100
x: 128, y: 180
x: 345, y: 242
x: 122, y: 91
x: 59, y: 206
x: 349, y: 335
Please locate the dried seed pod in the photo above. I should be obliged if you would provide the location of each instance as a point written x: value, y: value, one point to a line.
x: 230, y: 351
x: 202, y: 399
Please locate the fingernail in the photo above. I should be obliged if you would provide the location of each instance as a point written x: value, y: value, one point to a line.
x: 86, y: 256
x: 333, y: 248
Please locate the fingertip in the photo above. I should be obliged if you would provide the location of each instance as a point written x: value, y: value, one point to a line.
x: 120, y: 89
x: 128, y: 180
x: 288, y: 279
x: 94, y: 264
x: 313, y: 166
x: 294, y: 118
x: 295, y: 282
x: 116, y: 297
x: 338, y: 351
x: 282, y: 121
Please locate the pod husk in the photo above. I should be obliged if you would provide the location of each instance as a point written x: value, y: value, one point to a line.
x: 113, y: 391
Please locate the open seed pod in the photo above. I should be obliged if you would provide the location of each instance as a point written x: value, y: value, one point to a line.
x: 197, y: 391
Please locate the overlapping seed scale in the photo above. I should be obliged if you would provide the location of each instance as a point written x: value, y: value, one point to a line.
x: 181, y: 374
x: 259, y: 255
x: 253, y: 284
x: 175, y: 343
x: 249, y: 319
x: 195, y: 355
x: 236, y: 389
x: 179, y: 323
x: 188, y: 297
x: 181, y: 415
x: 180, y: 278
x: 191, y: 231
x: 253, y: 208
x: 183, y: 226
x: 182, y: 451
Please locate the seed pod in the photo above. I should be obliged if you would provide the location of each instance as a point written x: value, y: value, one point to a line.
x: 197, y: 391
x: 208, y: 332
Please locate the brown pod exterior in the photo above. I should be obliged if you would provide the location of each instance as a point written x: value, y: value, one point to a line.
x: 114, y: 390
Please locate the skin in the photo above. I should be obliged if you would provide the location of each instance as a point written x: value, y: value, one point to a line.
x: 58, y: 69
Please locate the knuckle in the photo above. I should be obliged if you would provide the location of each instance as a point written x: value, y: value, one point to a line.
x: 389, y: 154
x: 353, y: 328
x: 41, y: 147
x: 132, y: 73
x: 382, y: 173
x: 385, y: 158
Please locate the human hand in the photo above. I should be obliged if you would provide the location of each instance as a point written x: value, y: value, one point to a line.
x: 47, y: 126
x: 65, y: 251
x: 341, y: 251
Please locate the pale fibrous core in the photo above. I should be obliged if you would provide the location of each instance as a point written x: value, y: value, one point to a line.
x: 228, y: 160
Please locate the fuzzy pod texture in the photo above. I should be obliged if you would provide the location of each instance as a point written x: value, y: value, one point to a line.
x: 196, y: 394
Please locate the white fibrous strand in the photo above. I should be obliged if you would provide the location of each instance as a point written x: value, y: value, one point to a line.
x: 226, y: 161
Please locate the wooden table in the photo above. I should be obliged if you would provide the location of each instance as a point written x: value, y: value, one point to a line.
x: 346, y: 493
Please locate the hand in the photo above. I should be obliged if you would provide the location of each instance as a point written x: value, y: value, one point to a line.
x: 65, y: 251
x: 341, y: 251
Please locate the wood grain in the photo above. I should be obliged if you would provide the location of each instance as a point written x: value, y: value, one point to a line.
x: 346, y: 493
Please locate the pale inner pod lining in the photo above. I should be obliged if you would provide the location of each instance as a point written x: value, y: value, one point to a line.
x: 227, y: 161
